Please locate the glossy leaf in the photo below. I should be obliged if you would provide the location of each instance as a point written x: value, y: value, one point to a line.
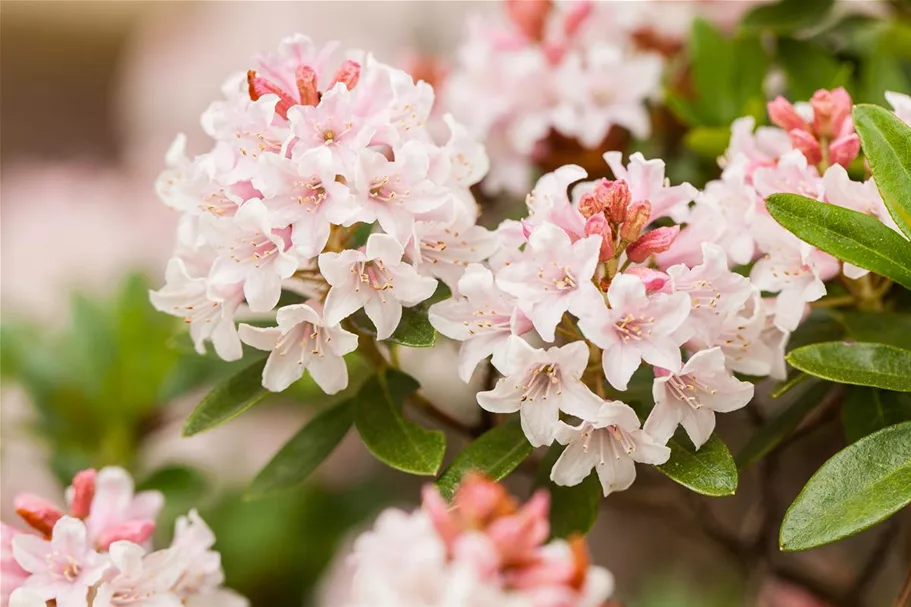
x: 228, y: 399
x: 575, y: 509
x: 866, y: 410
x: 849, y: 235
x: 890, y: 328
x: 390, y: 437
x: 862, y: 364
x: 861, y: 485
x: 414, y: 330
x: 305, y: 451
x: 786, y: 15
x: 495, y: 453
x: 710, y: 470
x: 887, y: 145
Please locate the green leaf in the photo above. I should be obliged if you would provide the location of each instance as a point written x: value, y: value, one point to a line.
x: 391, y: 438
x: 414, y: 330
x: 779, y: 427
x: 228, y: 399
x: 305, y: 451
x: 708, y: 141
x: 849, y: 235
x: 861, y: 485
x: 809, y: 66
x: 887, y: 145
x: 710, y: 470
x: 177, y: 483
x: 786, y: 15
x: 496, y: 453
x: 890, y: 328
x: 574, y: 509
x: 862, y: 364
x: 711, y: 58
x: 866, y: 410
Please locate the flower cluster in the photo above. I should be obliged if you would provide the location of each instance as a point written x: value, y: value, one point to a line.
x: 549, y: 70
x: 99, y: 554
x: 307, y: 161
x: 484, y: 551
x: 583, y: 272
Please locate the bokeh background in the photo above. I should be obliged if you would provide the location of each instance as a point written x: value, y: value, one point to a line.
x: 92, y: 94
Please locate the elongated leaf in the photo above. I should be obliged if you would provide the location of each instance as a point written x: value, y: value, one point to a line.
x: 710, y: 470
x: 574, y: 509
x: 305, y: 451
x: 890, y: 328
x: 390, y: 437
x: 786, y: 15
x: 414, y: 330
x: 496, y: 453
x: 809, y: 66
x: 862, y: 364
x: 861, y: 485
x: 779, y: 427
x: 849, y: 235
x: 887, y: 145
x: 866, y: 410
x: 228, y: 399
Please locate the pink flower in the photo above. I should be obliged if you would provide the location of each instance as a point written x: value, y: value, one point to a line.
x: 554, y: 276
x: 549, y: 202
x: 115, y: 503
x: 302, y: 341
x: 482, y: 318
x: 539, y: 384
x: 693, y: 395
x: 37, y: 512
x: 610, y: 442
x: 783, y: 114
x: 201, y: 576
x: 901, y: 105
x: 444, y: 249
x: 64, y: 567
x: 139, y: 579
x: 654, y: 242
x: 647, y: 184
x: 11, y: 574
x: 375, y: 279
x: 637, y: 327
x: 762, y: 148
x: 792, y: 174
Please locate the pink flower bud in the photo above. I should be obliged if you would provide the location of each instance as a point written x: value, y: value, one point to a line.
x: 517, y: 536
x: 440, y: 514
x: 479, y: 500
x: 617, y: 199
x: 307, y: 85
x: 597, y: 225
x: 654, y: 280
x: 349, y: 73
x: 136, y: 531
x: 83, y: 493
x: 529, y: 16
x: 657, y: 241
x: 260, y: 86
x: 40, y: 514
x: 589, y: 205
x: 782, y: 113
x: 842, y: 151
x: 806, y: 143
x: 830, y: 110
x: 636, y: 219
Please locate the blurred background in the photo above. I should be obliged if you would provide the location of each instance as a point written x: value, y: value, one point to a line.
x: 92, y: 95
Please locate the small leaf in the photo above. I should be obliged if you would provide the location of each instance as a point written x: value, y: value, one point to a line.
x: 890, y: 328
x: 851, y: 236
x: 414, y: 330
x: 305, y: 451
x: 228, y: 399
x: 862, y: 364
x: 708, y: 141
x: 495, y: 453
x: 574, y: 509
x: 779, y: 427
x: 861, y: 485
x: 786, y: 15
x: 710, y: 470
x: 866, y: 410
x: 887, y: 145
x: 391, y: 438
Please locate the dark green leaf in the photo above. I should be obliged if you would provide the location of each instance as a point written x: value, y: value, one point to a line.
x: 414, y: 331
x: 849, y: 235
x: 866, y: 410
x: 712, y: 57
x: 887, y: 145
x: 177, y: 483
x: 391, y: 438
x: 862, y: 364
x: 809, y: 66
x: 305, y: 451
x: 496, y: 453
x: 861, y: 485
x: 779, y: 427
x: 228, y: 399
x: 890, y: 328
x: 710, y: 470
x: 821, y: 325
x: 574, y: 509
x: 786, y: 15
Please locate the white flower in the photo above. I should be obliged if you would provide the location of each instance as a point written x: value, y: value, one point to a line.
x: 610, y: 442
x: 374, y: 279
x: 444, y: 249
x: 141, y: 580
x: 539, y: 384
x: 901, y: 103
x: 302, y: 341
x: 693, y: 395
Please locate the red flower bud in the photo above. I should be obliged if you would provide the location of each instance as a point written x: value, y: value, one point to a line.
x: 617, y: 199
x: 590, y: 205
x: 844, y: 150
x: 658, y: 240
x: 636, y: 219
x: 136, y: 531
x: 830, y: 111
x: 40, y: 514
x: 260, y: 86
x: 597, y: 225
x: 653, y: 279
x: 806, y: 143
x: 306, y: 85
x: 349, y: 73
x: 83, y: 493
x: 782, y: 113
x: 529, y: 16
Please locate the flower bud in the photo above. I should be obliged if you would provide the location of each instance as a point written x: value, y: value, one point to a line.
x: 40, y: 514
x: 529, y: 16
x: 636, y: 219
x: 830, y: 110
x: 653, y: 279
x: 783, y: 114
x: 136, y: 531
x: 349, y: 73
x: 657, y: 241
x: 842, y: 151
x: 806, y: 143
x: 257, y: 87
x: 597, y: 224
x: 617, y: 199
x: 83, y: 493
x: 307, y: 85
x: 589, y: 205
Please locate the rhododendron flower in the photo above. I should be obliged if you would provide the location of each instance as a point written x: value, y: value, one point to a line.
x: 114, y: 502
x: 647, y: 184
x: 141, y: 579
x: 901, y: 105
x: 11, y: 574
